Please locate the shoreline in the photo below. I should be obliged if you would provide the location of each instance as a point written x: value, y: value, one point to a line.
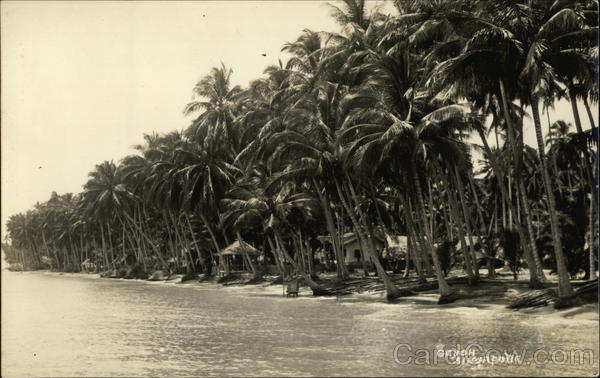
x: 487, y: 294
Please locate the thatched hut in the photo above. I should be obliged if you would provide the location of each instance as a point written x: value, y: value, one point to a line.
x: 235, y: 256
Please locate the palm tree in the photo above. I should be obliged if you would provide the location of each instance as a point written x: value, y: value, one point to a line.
x: 470, y: 75
x: 215, y: 99
x: 105, y: 197
x: 363, y: 130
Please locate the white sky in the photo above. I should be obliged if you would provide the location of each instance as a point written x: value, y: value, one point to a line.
x: 82, y: 81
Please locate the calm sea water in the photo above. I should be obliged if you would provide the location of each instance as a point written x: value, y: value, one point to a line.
x: 74, y: 325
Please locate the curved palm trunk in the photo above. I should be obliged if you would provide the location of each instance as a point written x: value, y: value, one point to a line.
x: 510, y: 200
x: 278, y: 263
x: 110, y: 244
x: 379, y: 218
x: 302, y: 253
x: 157, y: 251
x: 467, y: 220
x: 535, y: 257
x: 248, y: 259
x: 589, y: 112
x: 137, y: 214
x: 592, y: 245
x: 444, y: 289
x: 408, y: 257
x: 447, y: 221
x: 565, y: 289
x: 96, y: 259
x: 481, y: 228
x: 170, y: 240
x: 202, y: 262
x: 128, y: 237
x: 105, y: 254
x: 74, y: 255
x: 182, y: 240
x: 392, y: 291
x: 82, y: 246
x: 423, y: 254
x: 556, y: 172
x: 365, y: 224
x: 315, y: 287
x: 523, y: 234
x: 589, y: 175
x: 342, y: 272
x: 214, y: 241
x: 412, y: 239
x: 477, y: 202
x: 461, y: 234
x: 310, y: 258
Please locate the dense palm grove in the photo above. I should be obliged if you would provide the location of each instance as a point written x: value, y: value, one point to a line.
x: 402, y: 124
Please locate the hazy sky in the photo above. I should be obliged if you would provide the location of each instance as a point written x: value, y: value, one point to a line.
x: 82, y: 81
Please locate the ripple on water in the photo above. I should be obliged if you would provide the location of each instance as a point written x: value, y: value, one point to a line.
x: 78, y: 325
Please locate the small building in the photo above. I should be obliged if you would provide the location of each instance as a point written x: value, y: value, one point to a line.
x: 351, y: 245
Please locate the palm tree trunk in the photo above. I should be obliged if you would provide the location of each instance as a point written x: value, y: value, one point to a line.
x: 565, y: 289
x: 137, y: 214
x: 123, y: 237
x: 444, y: 289
x: 245, y: 252
x: 128, y: 236
x: 110, y: 244
x: 591, y: 244
x: 156, y: 250
x: 213, y: 239
x: 349, y: 188
x: 278, y: 263
x: 482, y: 229
x: 419, y: 236
x: 178, y: 239
x: 391, y: 289
x: 452, y: 201
x: 503, y: 212
x: 589, y: 112
x: 533, y: 280
x: 467, y: 219
x: 554, y: 165
x: 431, y: 208
x: 408, y: 257
x: 196, y: 245
x: 510, y: 200
x: 589, y: 175
x: 95, y: 246
x: 75, y: 256
x: 535, y: 257
x: 342, y: 272
x: 499, y: 173
x: 447, y: 223
x: 81, y: 245
x: 104, y: 246
x: 417, y: 255
x: 315, y: 287
x: 310, y: 257
x: 170, y: 241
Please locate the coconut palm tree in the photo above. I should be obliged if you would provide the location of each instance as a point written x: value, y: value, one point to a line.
x: 215, y: 99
